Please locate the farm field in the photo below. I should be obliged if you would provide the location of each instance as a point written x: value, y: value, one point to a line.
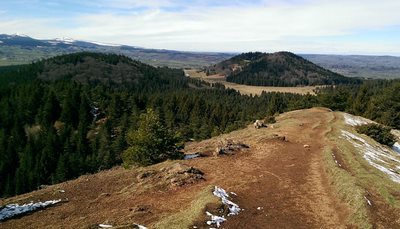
x: 247, y: 89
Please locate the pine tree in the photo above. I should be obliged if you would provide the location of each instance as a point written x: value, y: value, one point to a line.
x: 51, y: 110
x: 61, y: 173
x: 151, y: 143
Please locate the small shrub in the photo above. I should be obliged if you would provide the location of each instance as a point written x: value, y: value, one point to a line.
x: 269, y: 120
x: 378, y: 132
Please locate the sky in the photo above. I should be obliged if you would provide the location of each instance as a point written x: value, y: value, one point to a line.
x: 368, y: 27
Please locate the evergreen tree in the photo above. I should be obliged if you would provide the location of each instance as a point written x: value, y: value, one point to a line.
x: 151, y: 143
x: 51, y: 110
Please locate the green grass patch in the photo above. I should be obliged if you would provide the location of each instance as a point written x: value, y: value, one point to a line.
x: 347, y: 188
x: 186, y: 217
x: 367, y: 176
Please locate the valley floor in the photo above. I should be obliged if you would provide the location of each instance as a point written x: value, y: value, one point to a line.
x: 248, y: 89
x: 280, y: 183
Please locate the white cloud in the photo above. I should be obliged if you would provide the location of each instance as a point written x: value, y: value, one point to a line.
x: 127, y: 4
x: 300, y: 27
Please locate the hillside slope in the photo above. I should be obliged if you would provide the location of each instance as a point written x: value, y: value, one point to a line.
x: 276, y: 69
x: 278, y: 182
x: 93, y: 68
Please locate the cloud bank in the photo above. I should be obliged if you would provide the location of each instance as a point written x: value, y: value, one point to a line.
x: 305, y: 26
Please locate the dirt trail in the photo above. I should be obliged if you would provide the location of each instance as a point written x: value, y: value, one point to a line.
x: 280, y: 184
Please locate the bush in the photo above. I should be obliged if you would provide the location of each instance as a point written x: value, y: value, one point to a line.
x: 151, y: 143
x: 269, y: 120
x: 378, y: 132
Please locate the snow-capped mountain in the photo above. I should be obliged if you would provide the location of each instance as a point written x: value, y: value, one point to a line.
x: 26, y: 41
x: 22, y: 49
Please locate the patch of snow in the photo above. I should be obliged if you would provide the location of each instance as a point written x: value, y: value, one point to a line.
x: 191, y: 156
x: 355, y: 120
x: 19, y: 35
x: 105, y: 226
x: 217, y: 220
x: 65, y: 40
x: 368, y: 201
x: 336, y: 161
x: 140, y: 226
x: 12, y: 210
x: 221, y: 193
x: 259, y: 208
x: 53, y: 42
x: 1, y: 42
x: 104, y: 44
x: 376, y: 155
x: 396, y: 147
x: 233, y: 208
x: 233, y: 193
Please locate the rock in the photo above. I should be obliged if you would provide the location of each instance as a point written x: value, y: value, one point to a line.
x: 43, y: 186
x: 306, y: 146
x: 229, y: 147
x: 258, y: 124
x: 172, y: 175
x: 218, y: 151
x: 146, y: 174
x: 281, y: 138
x: 142, y: 208
x: 180, y: 174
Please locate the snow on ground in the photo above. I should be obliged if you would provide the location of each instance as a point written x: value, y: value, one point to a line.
x: 217, y: 220
x: 65, y: 40
x: 221, y: 193
x: 191, y: 156
x: 396, y: 147
x: 355, y: 120
x: 376, y: 155
x: 111, y: 226
x: 233, y: 208
x: 12, y: 210
x: 104, y: 44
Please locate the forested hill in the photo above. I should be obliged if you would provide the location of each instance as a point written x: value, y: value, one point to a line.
x: 277, y: 69
x: 96, y: 68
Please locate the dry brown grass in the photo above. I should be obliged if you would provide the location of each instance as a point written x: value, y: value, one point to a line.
x: 294, y: 185
x: 247, y: 89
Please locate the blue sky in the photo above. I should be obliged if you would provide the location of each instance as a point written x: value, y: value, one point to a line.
x: 301, y: 26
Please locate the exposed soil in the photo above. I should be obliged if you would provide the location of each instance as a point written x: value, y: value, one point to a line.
x: 279, y: 184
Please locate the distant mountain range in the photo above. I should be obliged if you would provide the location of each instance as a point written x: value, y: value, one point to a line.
x: 21, y: 49
x: 376, y: 67
x: 276, y: 69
